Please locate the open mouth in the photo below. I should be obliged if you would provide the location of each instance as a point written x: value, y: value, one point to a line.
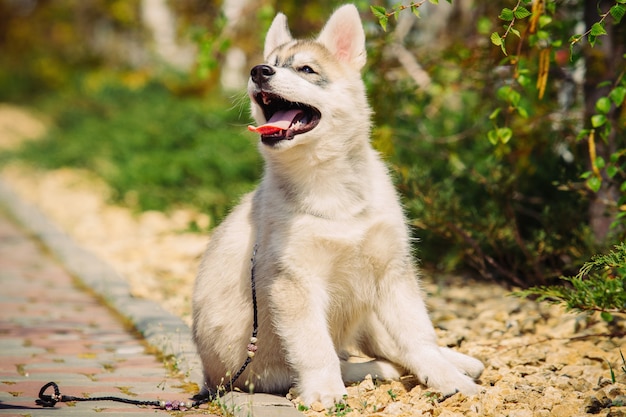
x: 285, y: 119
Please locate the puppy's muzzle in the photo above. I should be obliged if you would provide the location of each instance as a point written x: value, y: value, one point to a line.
x: 261, y: 74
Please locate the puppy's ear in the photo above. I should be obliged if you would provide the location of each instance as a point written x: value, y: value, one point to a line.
x: 344, y: 37
x: 277, y: 35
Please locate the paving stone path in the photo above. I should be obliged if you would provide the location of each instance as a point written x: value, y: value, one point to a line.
x: 51, y: 330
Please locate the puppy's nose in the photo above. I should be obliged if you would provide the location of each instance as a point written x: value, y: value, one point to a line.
x: 261, y: 73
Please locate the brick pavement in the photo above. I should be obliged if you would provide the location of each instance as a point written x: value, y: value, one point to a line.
x: 51, y: 330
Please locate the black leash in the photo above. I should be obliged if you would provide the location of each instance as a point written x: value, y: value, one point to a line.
x: 50, y: 400
x: 252, y: 348
x: 46, y: 400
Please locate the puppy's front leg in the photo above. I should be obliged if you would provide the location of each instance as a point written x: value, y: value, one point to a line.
x: 299, y: 312
x: 402, y: 312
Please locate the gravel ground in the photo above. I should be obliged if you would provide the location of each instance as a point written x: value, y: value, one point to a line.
x: 540, y: 360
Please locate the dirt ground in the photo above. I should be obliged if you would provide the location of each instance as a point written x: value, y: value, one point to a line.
x: 539, y: 360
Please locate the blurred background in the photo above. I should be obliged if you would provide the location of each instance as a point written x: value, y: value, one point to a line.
x: 502, y: 168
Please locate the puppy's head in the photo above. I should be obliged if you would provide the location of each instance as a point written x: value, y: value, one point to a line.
x: 307, y: 90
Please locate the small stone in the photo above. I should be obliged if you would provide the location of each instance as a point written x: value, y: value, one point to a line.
x: 603, y: 382
x: 367, y: 384
x: 394, y: 409
x: 565, y: 410
x: 617, y: 413
x: 580, y: 384
x: 620, y: 401
x: 520, y: 413
x: 614, y: 392
x: 597, y: 403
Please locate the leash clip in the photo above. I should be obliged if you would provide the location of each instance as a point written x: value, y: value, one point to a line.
x: 49, y: 400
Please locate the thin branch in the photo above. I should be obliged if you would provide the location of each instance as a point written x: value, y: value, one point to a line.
x: 401, y: 7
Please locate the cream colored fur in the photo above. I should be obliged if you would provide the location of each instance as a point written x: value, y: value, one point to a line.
x: 333, y: 268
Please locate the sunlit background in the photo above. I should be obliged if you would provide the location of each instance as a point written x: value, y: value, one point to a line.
x: 150, y: 96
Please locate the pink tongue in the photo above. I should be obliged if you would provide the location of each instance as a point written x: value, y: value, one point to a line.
x: 281, y: 120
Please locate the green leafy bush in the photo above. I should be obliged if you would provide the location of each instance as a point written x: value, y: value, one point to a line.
x: 488, y: 155
x: 155, y: 149
x: 600, y: 285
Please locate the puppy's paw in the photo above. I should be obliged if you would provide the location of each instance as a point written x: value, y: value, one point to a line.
x: 471, y: 367
x: 449, y: 383
x: 461, y: 383
x: 447, y: 371
x: 326, y: 391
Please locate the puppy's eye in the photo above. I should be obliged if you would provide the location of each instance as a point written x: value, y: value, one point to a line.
x: 306, y: 69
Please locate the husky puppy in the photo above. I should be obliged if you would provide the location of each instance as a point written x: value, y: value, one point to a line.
x: 326, y: 232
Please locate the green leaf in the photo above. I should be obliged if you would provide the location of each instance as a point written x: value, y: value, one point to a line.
x: 594, y: 184
x: 582, y: 134
x: 498, y: 41
x: 521, y: 12
x: 557, y: 43
x: 434, y: 1
x: 618, y: 12
x: 483, y: 25
x: 503, y: 92
x: 507, y: 15
x: 603, y: 105
x: 505, y: 134
x: 598, y: 120
x: 606, y: 316
x: 592, y: 40
x: 509, y: 95
x: 524, y: 80
x: 383, y: 23
x: 599, y: 162
x: 597, y: 29
x: 522, y: 111
x: 378, y: 11
x: 611, y: 171
x: 494, y: 113
x: 543, y: 34
x: 492, y: 135
x: 617, y: 95
x: 381, y: 14
x: 544, y: 20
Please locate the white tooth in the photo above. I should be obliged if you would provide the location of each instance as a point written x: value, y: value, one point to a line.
x: 266, y: 100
